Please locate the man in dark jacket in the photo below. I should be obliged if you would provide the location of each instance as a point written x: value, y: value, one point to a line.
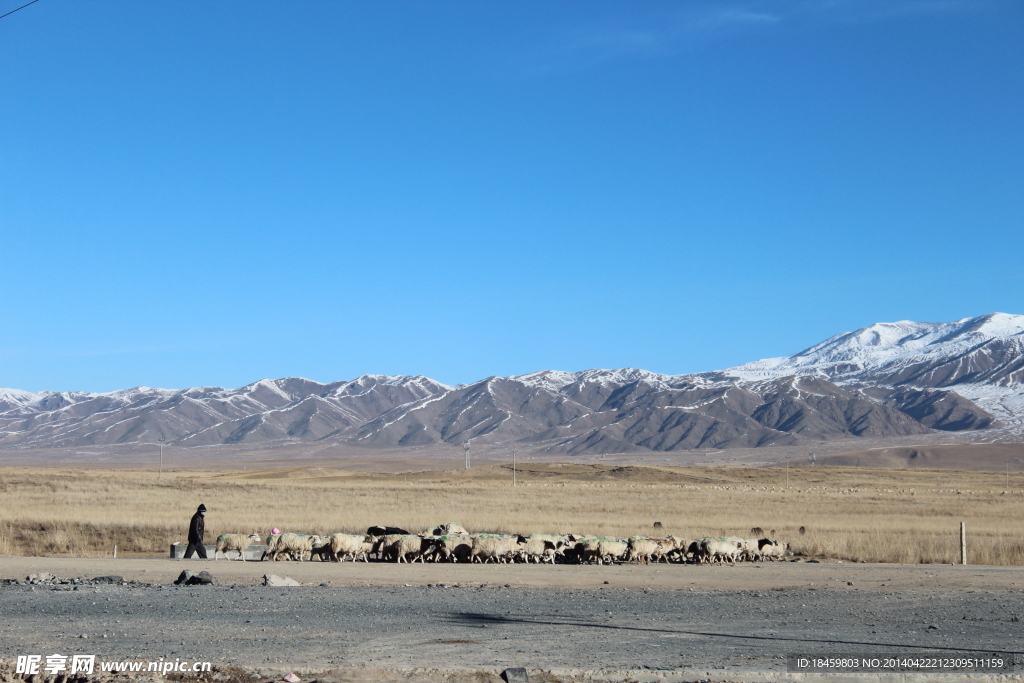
x: 195, y: 534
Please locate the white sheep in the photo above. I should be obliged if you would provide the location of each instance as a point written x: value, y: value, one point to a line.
x: 674, y: 547
x: 588, y: 550
x: 448, y: 529
x: 718, y: 550
x: 453, y: 548
x: 773, y: 550
x: 271, y: 548
x: 401, y: 547
x: 642, y: 549
x: 537, y: 550
x: 239, y: 542
x: 611, y: 550
x: 296, y: 545
x: 349, y: 546
x: 750, y: 548
x: 493, y: 548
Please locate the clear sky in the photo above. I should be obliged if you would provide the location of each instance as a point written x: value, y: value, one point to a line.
x: 209, y: 193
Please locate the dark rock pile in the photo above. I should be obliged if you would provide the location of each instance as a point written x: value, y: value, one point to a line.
x: 60, y: 583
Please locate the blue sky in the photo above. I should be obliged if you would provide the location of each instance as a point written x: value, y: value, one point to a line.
x: 198, y: 193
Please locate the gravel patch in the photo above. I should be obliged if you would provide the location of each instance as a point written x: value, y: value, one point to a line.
x: 442, y: 626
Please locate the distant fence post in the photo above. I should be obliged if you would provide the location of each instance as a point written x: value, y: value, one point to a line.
x: 963, y: 543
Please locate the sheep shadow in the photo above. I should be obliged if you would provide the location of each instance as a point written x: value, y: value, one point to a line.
x: 483, y: 619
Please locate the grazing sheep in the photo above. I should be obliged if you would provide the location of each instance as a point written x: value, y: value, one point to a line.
x: 321, y: 549
x: 453, y: 548
x: 611, y: 550
x: 294, y: 545
x: 670, y: 548
x: 382, y: 546
x: 773, y: 550
x: 429, y: 550
x: 568, y: 554
x: 271, y: 548
x: 719, y: 550
x: 694, y: 552
x: 587, y: 550
x: 448, y: 529
x: 559, y: 542
x: 483, y: 548
x: 401, y: 547
x: 537, y: 550
x: 364, y: 550
x: 491, y: 547
x: 681, y: 550
x: 239, y: 542
x: 748, y: 547
x: 349, y: 545
x: 642, y: 549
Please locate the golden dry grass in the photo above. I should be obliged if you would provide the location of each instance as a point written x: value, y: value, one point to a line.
x: 856, y: 514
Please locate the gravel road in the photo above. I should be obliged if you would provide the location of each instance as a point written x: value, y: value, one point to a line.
x: 492, y: 627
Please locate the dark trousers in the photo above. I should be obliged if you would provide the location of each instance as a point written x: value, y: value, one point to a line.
x: 195, y: 548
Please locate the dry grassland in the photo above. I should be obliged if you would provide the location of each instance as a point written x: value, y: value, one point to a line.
x: 855, y: 514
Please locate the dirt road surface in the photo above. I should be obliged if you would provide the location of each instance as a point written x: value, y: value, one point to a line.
x: 665, y: 623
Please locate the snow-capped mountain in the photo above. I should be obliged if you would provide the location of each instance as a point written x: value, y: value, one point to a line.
x: 981, y: 359
x: 889, y: 379
x: 292, y: 409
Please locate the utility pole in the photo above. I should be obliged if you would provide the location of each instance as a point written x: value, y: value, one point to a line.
x: 1007, y: 486
x: 161, y: 476
x: 787, y: 473
x: 513, y: 467
x: 465, y: 447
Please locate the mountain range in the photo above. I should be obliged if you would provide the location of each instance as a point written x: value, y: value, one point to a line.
x: 888, y: 379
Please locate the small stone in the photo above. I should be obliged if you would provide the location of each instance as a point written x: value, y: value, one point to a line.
x: 275, y: 580
x: 515, y: 674
x: 108, y: 579
x: 202, y: 579
x: 84, y: 635
x: 606, y: 582
x: 292, y: 678
x: 849, y: 583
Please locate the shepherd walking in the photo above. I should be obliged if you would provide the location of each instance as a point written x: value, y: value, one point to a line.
x: 196, y: 528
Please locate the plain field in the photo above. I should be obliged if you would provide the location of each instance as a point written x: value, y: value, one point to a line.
x: 853, y: 514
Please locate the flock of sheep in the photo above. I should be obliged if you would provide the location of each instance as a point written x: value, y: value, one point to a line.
x: 452, y: 543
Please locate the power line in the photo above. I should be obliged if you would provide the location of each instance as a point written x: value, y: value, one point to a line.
x: 15, y: 10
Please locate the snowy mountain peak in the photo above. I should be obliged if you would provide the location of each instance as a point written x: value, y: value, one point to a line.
x: 898, y: 378
x: 128, y: 394
x: 997, y: 325
x: 886, y: 343
x: 981, y: 358
x: 555, y: 380
x: 21, y: 397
